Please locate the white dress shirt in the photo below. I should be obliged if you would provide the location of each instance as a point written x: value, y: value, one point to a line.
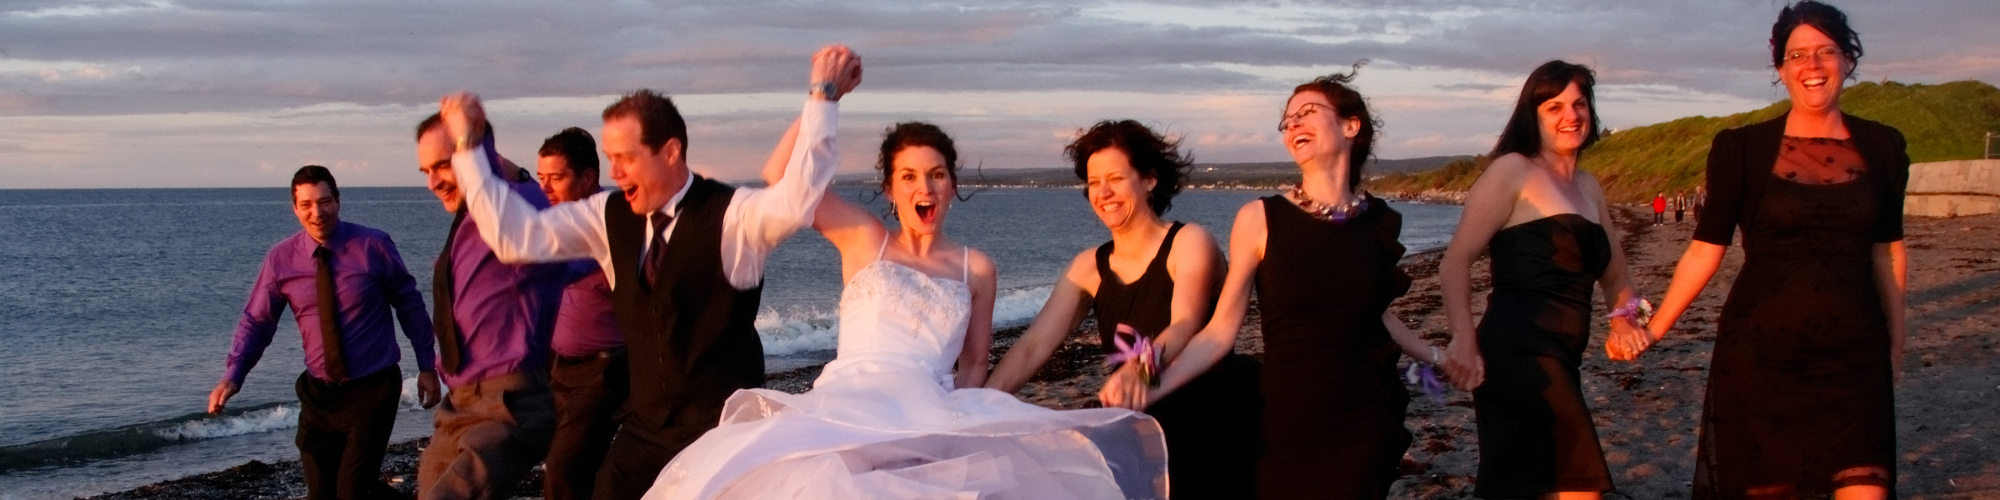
x: 756, y: 221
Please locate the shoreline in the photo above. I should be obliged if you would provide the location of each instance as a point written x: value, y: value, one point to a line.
x: 1646, y: 412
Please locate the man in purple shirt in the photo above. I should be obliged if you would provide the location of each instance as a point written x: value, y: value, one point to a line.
x: 493, y: 323
x: 591, y: 377
x: 350, y: 389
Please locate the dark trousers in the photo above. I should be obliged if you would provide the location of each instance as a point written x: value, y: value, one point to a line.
x: 638, y: 453
x: 343, y: 432
x: 588, y: 393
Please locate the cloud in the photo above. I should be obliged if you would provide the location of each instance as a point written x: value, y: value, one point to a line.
x: 221, y: 86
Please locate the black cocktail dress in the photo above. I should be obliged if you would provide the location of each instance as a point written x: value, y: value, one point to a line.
x: 1535, y: 432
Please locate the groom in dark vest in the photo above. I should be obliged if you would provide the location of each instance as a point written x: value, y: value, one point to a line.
x: 685, y: 255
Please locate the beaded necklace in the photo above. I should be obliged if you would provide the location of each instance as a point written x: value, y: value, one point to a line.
x: 1335, y: 213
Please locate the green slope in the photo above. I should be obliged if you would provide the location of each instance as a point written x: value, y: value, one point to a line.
x: 1942, y: 122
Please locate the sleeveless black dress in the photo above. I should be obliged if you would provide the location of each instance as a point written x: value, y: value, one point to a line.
x: 1800, y: 386
x: 1211, y: 437
x: 1535, y: 432
x: 1334, y: 407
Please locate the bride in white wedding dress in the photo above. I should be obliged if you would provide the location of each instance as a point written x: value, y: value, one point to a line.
x: 889, y: 417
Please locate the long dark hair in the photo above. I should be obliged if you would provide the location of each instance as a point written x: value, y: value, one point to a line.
x: 1524, y: 130
x: 1347, y: 104
x: 1153, y: 155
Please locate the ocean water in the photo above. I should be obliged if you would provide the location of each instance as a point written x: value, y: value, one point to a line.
x: 117, y: 308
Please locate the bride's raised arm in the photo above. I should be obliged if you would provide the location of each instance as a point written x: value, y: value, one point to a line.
x: 856, y: 233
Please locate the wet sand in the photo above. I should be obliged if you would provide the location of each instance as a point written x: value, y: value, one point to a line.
x: 1646, y: 412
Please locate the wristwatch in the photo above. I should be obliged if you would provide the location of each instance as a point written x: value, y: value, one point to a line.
x: 822, y: 89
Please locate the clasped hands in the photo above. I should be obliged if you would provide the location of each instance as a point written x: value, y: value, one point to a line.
x: 836, y: 68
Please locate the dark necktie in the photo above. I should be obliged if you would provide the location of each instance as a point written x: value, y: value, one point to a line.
x: 658, y: 249
x: 441, y: 291
x: 329, y: 316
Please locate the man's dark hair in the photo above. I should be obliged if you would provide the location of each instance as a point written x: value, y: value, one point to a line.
x: 658, y: 119
x: 1154, y: 156
x: 1523, y: 133
x: 314, y: 174
x: 576, y: 147
x: 1822, y: 17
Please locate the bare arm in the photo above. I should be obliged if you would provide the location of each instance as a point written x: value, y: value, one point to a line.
x: 1697, y: 266
x: 1413, y: 345
x: 1892, y: 281
x: 1059, y: 316
x: 972, y: 360
x: 1487, y: 208
x: 1208, y: 346
x: 1197, y: 270
x: 1627, y: 339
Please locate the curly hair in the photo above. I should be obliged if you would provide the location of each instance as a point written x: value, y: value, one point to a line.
x: 1153, y: 155
x: 915, y: 134
x: 1347, y: 103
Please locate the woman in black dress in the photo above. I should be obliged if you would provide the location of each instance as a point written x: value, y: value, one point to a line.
x: 1323, y: 261
x: 1800, y: 392
x: 1156, y: 276
x: 1542, y: 219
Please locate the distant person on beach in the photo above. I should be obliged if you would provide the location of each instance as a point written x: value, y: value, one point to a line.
x: 1660, y: 208
x: 1809, y: 345
x: 590, y: 377
x: 684, y: 255
x: 341, y: 280
x: 1680, y: 206
x: 1154, y: 275
x: 1542, y: 220
x: 493, y: 321
x: 1322, y: 258
x: 1700, y: 200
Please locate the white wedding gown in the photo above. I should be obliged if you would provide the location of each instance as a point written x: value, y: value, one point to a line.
x: 883, y: 421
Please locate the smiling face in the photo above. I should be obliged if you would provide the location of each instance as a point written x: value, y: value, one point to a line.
x: 1813, y: 83
x: 317, y: 208
x: 921, y: 188
x: 1313, y: 132
x: 560, y: 183
x: 434, y: 160
x: 1565, y: 121
x: 1117, y: 191
x: 647, y: 177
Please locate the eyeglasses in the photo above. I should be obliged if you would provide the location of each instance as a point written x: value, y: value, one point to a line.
x: 1285, y: 122
x: 1823, y: 54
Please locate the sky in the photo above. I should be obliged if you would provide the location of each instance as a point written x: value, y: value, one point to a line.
x: 240, y: 93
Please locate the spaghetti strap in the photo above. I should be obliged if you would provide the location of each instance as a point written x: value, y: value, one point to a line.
x: 883, y: 247
x: 965, y: 265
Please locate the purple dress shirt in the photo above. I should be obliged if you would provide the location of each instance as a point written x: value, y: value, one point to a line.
x: 370, y: 279
x: 506, y: 313
x: 586, y: 324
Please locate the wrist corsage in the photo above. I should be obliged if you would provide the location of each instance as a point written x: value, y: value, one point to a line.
x: 1140, y: 350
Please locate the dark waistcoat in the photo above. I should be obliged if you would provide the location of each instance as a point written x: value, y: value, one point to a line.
x: 691, y: 337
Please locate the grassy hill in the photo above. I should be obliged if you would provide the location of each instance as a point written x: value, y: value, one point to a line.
x: 1942, y: 122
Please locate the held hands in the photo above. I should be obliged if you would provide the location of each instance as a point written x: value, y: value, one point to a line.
x: 464, y: 118
x: 1463, y: 365
x: 836, y: 71
x: 1125, y: 388
x: 218, y: 398
x: 1628, y: 339
x: 428, y: 393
